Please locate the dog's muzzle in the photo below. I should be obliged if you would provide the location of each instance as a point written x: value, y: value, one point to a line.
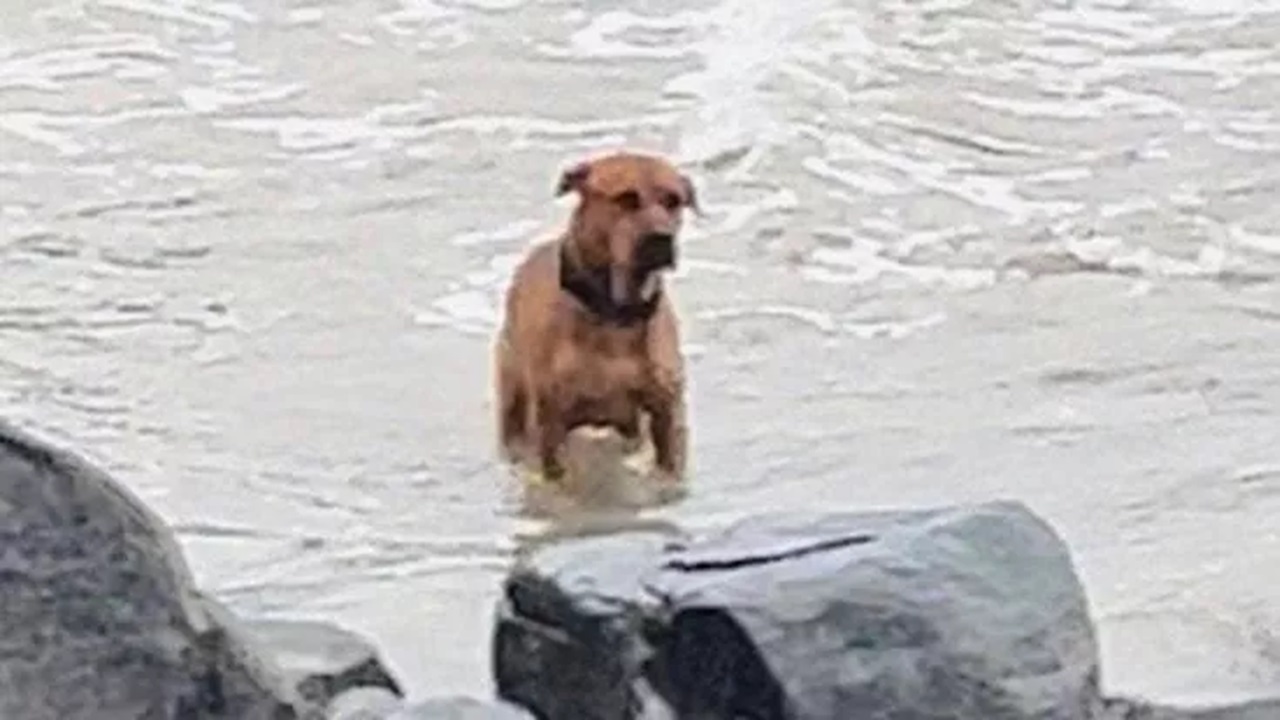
x: 655, y: 251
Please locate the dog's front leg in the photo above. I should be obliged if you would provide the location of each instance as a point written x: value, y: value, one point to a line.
x: 551, y: 436
x: 668, y: 432
x: 512, y: 414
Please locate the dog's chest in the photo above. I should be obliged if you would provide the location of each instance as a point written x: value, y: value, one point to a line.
x: 602, y: 375
x: 602, y: 388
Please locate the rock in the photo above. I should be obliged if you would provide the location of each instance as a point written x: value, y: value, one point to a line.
x: 100, y: 616
x: 964, y: 613
x: 364, y: 703
x: 320, y: 659
x: 569, y: 638
x: 460, y: 708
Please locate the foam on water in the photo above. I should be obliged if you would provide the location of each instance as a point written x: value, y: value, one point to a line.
x: 745, y: 44
x: 623, y: 34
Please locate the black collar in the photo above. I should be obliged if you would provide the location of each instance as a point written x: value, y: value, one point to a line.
x: 592, y: 290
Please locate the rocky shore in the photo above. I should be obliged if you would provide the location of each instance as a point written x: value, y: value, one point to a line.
x: 964, y: 613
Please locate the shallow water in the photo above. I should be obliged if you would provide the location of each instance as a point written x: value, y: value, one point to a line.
x: 953, y: 250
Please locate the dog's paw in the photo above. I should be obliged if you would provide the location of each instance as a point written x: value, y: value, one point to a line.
x: 535, y: 478
x: 540, y: 477
x: 670, y: 489
x: 546, y: 476
x: 666, y: 477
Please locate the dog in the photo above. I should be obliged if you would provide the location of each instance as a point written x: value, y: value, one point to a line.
x: 589, y: 336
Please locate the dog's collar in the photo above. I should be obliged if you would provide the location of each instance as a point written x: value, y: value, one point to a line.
x: 593, y: 293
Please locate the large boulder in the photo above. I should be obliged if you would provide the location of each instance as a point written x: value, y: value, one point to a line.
x: 100, y: 616
x: 962, y: 613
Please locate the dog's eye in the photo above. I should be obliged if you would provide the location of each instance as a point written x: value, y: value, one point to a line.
x: 672, y: 201
x: 628, y: 200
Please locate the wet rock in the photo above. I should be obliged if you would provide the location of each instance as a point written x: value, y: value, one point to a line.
x: 100, y: 616
x: 320, y: 659
x: 364, y: 703
x: 569, y: 638
x: 966, y: 613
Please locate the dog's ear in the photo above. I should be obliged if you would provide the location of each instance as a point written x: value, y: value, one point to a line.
x: 573, y: 178
x: 690, y: 195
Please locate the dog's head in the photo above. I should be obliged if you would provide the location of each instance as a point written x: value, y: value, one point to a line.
x: 627, y: 220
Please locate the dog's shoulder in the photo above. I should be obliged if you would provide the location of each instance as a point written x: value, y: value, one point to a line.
x: 541, y: 259
x: 534, y: 289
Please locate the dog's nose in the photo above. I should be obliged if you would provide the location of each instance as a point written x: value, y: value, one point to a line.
x: 656, y: 250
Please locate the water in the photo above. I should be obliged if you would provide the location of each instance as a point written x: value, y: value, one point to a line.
x: 952, y: 251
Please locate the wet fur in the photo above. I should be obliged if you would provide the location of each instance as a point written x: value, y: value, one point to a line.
x: 558, y: 366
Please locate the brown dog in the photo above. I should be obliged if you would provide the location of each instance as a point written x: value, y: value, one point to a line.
x: 589, y: 336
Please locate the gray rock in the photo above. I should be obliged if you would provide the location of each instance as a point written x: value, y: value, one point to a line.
x: 321, y: 659
x: 569, y: 641
x: 460, y: 708
x: 100, y: 617
x: 364, y: 703
x: 967, y: 613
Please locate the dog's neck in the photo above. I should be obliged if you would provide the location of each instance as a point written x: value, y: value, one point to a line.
x: 592, y: 291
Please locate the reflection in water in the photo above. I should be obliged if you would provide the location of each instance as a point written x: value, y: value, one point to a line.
x: 253, y: 256
x: 590, y: 523
x: 604, y: 475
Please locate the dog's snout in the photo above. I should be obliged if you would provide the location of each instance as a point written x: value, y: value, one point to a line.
x: 656, y: 250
